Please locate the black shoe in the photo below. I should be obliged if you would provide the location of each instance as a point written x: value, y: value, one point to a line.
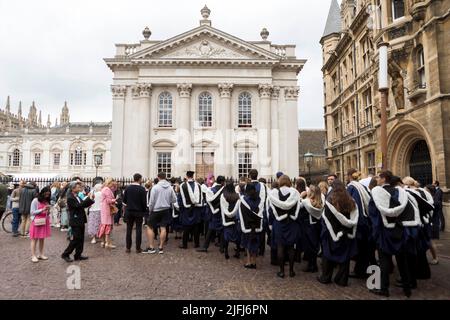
x: 399, y: 284
x: 291, y: 274
x: 128, y: 250
x: 15, y: 235
x: 67, y: 259
x: 380, y: 292
x: 407, y: 292
x: 250, y: 266
x: 81, y: 258
x: 196, y: 246
x: 202, y: 250
x: 357, y: 276
x: 137, y: 250
x: 323, y: 281
x: 227, y: 256
x: 237, y: 255
x: 280, y: 274
x: 182, y: 247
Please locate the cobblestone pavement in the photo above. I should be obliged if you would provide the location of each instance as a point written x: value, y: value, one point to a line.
x: 178, y: 274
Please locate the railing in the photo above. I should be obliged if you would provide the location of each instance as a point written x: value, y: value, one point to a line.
x: 280, y: 50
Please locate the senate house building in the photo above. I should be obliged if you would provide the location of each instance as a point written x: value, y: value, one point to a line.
x: 207, y: 101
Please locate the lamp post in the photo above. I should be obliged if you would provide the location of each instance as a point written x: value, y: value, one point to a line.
x: 97, y: 160
x: 309, y: 159
x: 383, y: 89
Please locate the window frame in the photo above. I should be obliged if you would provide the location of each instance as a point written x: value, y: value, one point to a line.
x: 164, y: 166
x: 245, y: 109
x: 394, y: 11
x: 205, y: 117
x: 421, y: 68
x: 165, y: 110
x: 244, y: 167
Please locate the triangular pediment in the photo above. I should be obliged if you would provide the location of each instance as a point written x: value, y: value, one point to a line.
x: 205, y: 42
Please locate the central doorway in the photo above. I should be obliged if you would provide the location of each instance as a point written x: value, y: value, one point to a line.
x: 204, y: 164
x: 420, y: 167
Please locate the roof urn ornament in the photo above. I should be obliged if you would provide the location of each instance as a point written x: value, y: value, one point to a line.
x: 205, y: 12
x: 264, y: 34
x: 146, y: 33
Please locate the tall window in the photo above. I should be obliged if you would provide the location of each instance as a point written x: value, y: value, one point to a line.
x: 78, y: 157
x: 336, y: 125
x: 205, y: 110
x: 245, y: 110
x: 364, y: 44
x: 367, y: 103
x: 421, y: 67
x: 244, y: 163
x: 37, y: 158
x: 14, y: 158
x: 164, y: 163
x: 56, y: 159
x: 398, y: 9
x: 371, y: 162
x: 165, y: 110
x: 337, y: 165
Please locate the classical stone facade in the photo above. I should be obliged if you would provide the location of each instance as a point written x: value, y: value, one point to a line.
x: 419, y: 74
x: 29, y: 149
x: 207, y: 101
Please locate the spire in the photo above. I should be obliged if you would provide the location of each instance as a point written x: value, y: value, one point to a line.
x: 19, y: 112
x: 56, y: 122
x: 40, y: 118
x: 333, y: 24
x: 49, y: 123
x: 65, y: 116
x: 8, y: 106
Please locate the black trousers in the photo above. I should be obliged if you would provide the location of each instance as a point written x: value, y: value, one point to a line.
x: 210, y: 235
x: 406, y: 264
x: 194, y: 229
x: 362, y: 260
x: 117, y: 216
x: 76, y: 243
x: 134, y: 219
x: 262, y: 243
x: 341, y: 277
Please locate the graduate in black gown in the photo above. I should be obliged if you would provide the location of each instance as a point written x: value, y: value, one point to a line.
x: 190, y: 201
x: 300, y: 185
x: 339, y: 225
x: 229, y: 208
x: 177, y: 227
x: 394, y: 230
x: 283, y: 208
x: 212, y: 198
x: 251, y: 210
x: 365, y: 244
x: 310, y: 220
x: 423, y: 201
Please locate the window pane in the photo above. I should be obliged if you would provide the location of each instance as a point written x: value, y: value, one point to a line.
x: 245, y: 110
x: 398, y: 9
x: 205, y: 110
x: 164, y: 163
x: 165, y: 110
x: 244, y: 163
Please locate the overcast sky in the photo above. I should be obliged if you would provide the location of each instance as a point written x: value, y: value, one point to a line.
x: 53, y: 50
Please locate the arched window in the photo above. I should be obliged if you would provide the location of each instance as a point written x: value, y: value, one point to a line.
x: 14, y: 158
x: 205, y: 110
x: 245, y: 110
x: 165, y: 110
x: 398, y: 9
x: 421, y: 67
x: 78, y: 156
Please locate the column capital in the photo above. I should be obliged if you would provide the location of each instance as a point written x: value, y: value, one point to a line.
x: 184, y: 89
x: 291, y: 93
x: 118, y: 91
x: 265, y: 90
x: 276, y: 92
x: 142, y: 90
x: 225, y: 89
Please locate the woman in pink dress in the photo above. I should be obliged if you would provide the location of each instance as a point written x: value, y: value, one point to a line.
x: 106, y: 217
x: 40, y: 223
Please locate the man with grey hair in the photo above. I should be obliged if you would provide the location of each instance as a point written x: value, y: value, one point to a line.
x: 77, y: 220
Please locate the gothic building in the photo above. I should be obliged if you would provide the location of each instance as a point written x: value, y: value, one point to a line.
x: 418, y: 36
x: 30, y: 149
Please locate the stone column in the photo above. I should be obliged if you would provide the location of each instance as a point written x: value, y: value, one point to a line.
x: 118, y: 117
x: 275, y: 131
x: 291, y: 131
x: 145, y: 124
x: 225, y: 128
x: 182, y: 158
x: 264, y: 153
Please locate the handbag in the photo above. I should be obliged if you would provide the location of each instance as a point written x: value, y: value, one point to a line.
x: 113, y: 209
x: 40, y: 222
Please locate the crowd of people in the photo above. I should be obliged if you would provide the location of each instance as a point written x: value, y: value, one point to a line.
x: 369, y: 221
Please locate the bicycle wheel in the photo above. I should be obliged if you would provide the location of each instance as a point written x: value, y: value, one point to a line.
x: 7, y: 222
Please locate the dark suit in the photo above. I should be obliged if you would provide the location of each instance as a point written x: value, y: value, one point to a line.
x: 77, y: 220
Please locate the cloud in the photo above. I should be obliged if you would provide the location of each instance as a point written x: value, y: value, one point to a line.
x: 53, y: 51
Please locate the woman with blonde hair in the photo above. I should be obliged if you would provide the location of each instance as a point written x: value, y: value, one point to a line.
x: 310, y: 224
x: 94, y: 219
x: 366, y: 247
x: 107, y: 211
x: 283, y: 210
x: 323, y: 186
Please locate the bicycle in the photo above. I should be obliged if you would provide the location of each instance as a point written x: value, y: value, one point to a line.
x: 7, y: 221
